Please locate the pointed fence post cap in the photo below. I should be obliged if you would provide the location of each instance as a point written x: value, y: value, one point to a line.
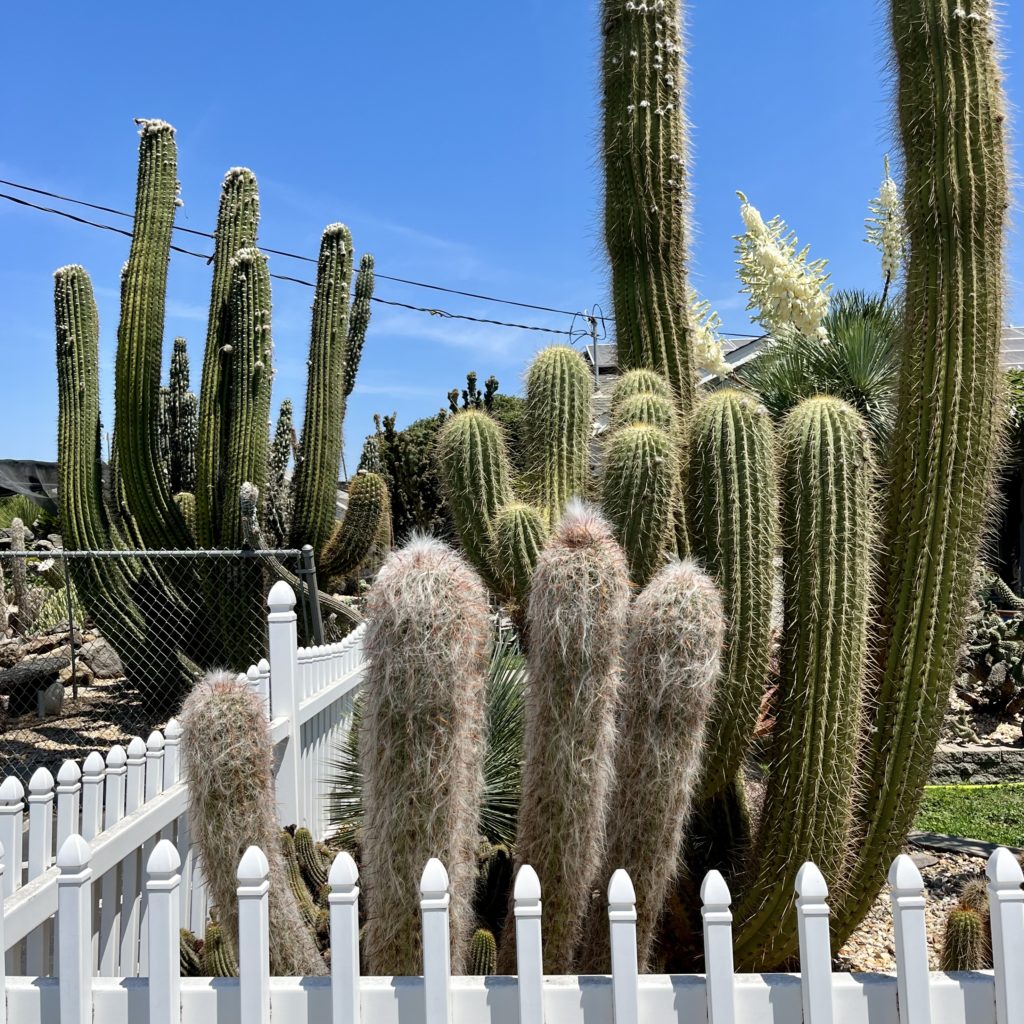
x: 136, y: 749
x: 155, y: 742
x: 11, y: 790
x: 434, y: 880
x: 69, y: 774
x: 904, y: 877
x: 281, y: 597
x: 74, y: 855
x: 117, y: 756
x: 527, y: 885
x: 620, y: 888
x: 93, y: 764
x: 714, y: 892
x: 343, y: 874
x: 173, y: 730
x: 41, y: 781
x: 811, y: 886
x: 1003, y: 870
x: 164, y: 862
x: 264, y: 666
x: 252, y: 673
x: 253, y: 867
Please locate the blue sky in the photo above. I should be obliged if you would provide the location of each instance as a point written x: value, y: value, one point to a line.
x: 457, y: 140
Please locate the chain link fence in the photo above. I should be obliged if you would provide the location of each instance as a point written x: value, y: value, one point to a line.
x: 100, y: 646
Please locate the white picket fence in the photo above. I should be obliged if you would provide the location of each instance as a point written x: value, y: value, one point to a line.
x: 123, y: 805
x: 815, y: 996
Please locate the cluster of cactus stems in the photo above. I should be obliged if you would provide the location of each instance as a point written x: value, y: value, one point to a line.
x: 179, y: 468
x: 227, y: 758
x: 844, y: 773
x: 421, y: 741
x: 963, y: 941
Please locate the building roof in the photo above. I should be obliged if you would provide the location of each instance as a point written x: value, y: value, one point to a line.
x: 1013, y: 348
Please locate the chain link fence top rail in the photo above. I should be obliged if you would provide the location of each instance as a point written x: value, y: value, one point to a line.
x: 100, y: 646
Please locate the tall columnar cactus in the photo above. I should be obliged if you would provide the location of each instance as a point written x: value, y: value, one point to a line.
x: 19, y: 577
x: 640, y: 486
x: 315, y: 483
x: 639, y: 382
x: 559, y: 421
x: 518, y: 534
x: 278, y: 497
x: 422, y: 746
x: 476, y: 478
x: 731, y: 506
x: 227, y: 759
x: 358, y: 323
x: 646, y: 202
x: 140, y: 342
x: 827, y: 545
x: 577, y: 618
x: 182, y: 422
x: 237, y: 222
x: 952, y: 123
x: 646, y: 408
x: 353, y: 538
x: 670, y: 665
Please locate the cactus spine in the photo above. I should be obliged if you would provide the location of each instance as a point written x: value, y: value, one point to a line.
x: 577, y: 617
x: 422, y: 746
x: 316, y: 472
x: 559, y: 420
x: 963, y: 941
x: 827, y: 543
x: 483, y: 953
x: 641, y: 489
x: 227, y: 758
x: 732, y: 498
x: 670, y: 666
x: 645, y: 189
x: 952, y: 121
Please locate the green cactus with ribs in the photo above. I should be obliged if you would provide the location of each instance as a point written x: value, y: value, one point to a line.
x: 844, y: 774
x: 181, y: 461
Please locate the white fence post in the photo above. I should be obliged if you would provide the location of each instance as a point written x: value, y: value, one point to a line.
x: 40, y: 854
x: 69, y: 786
x: 815, y: 945
x: 343, y: 903
x: 172, y: 746
x: 164, y: 940
x: 912, y: 978
x: 92, y: 796
x: 74, y: 912
x: 1006, y: 913
x: 113, y: 810
x: 12, y: 807
x: 434, y: 900
x: 622, y: 928
x: 3, y: 945
x: 254, y: 937
x: 131, y: 866
x: 718, y: 957
x: 529, y: 945
x: 284, y: 643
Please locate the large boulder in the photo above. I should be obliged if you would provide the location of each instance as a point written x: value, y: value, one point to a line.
x: 102, y: 659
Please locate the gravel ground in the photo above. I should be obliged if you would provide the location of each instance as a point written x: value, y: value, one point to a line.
x: 872, y: 947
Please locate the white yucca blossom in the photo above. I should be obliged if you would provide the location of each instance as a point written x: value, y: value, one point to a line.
x: 886, y: 229
x: 708, y: 348
x: 788, y: 291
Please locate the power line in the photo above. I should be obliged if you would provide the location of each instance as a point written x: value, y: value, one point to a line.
x: 308, y: 259
x: 208, y: 258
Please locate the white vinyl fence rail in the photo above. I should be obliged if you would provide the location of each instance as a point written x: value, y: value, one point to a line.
x: 816, y: 996
x: 125, y: 803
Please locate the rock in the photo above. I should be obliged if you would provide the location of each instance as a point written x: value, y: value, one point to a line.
x: 102, y: 659
x: 923, y: 860
x: 36, y: 672
x: 976, y: 764
x: 51, y: 700
x: 10, y: 652
x: 83, y: 674
x: 47, y: 642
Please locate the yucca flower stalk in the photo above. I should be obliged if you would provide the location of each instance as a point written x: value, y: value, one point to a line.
x: 708, y: 348
x: 885, y: 227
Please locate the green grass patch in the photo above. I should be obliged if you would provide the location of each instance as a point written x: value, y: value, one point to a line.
x: 994, y: 814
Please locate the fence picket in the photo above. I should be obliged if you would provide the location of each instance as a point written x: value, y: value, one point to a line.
x: 622, y: 928
x: 1006, y: 913
x: 12, y: 816
x: 343, y: 904
x: 164, y: 878
x: 718, y: 958
x: 92, y: 796
x: 131, y: 896
x: 74, y: 911
x: 815, y: 946
x: 38, y: 945
x: 69, y: 788
x: 264, y: 666
x: 434, y: 900
x: 529, y: 945
x: 172, y: 748
x: 283, y: 642
x: 154, y: 787
x: 110, y: 906
x: 912, y: 978
x: 254, y: 937
x: 3, y: 943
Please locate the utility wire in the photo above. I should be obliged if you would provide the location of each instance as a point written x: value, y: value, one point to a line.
x: 208, y: 258
x: 308, y: 259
